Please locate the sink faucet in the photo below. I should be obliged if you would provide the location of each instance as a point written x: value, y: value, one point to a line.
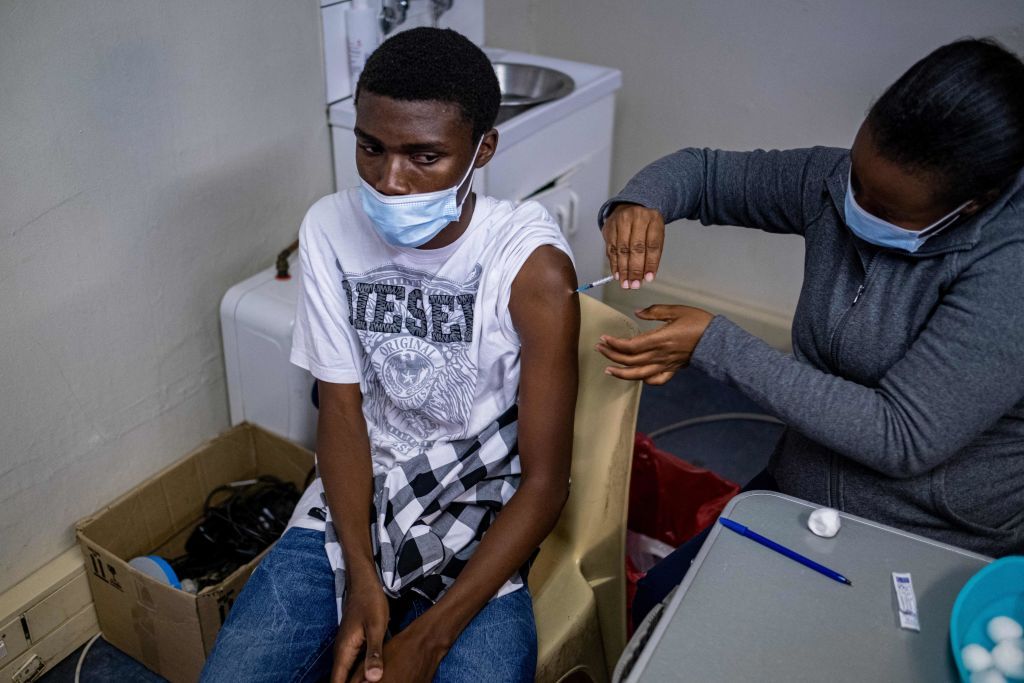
x: 440, y: 7
x: 394, y: 12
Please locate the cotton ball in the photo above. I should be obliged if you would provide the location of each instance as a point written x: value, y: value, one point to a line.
x: 988, y: 676
x: 976, y: 658
x: 1004, y: 628
x: 824, y: 522
x: 1008, y: 656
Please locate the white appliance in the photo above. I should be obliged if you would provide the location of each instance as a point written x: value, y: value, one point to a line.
x: 256, y: 319
x: 558, y: 154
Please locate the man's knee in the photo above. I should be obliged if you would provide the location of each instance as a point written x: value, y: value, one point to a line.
x: 284, y: 619
x: 499, y: 645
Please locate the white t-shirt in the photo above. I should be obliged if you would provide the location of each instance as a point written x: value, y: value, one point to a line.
x: 427, y: 334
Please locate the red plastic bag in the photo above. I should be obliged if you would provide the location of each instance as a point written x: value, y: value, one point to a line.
x: 670, y: 500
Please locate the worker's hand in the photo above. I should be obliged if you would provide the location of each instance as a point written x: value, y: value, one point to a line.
x: 364, y: 621
x: 412, y: 656
x: 656, y: 355
x: 633, y: 239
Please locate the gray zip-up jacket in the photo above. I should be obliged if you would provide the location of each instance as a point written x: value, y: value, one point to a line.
x: 904, y: 395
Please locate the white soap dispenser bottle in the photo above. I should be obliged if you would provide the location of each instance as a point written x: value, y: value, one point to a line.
x: 363, y: 38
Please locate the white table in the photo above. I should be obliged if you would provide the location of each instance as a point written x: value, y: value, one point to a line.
x: 747, y: 613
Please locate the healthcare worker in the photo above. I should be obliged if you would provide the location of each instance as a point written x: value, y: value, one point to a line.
x: 904, y: 394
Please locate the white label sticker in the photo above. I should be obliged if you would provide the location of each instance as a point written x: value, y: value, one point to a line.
x: 906, y: 601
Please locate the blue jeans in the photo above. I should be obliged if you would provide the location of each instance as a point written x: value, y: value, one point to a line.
x: 667, y: 574
x: 282, y: 627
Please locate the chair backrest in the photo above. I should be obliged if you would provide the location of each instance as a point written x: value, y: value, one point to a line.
x: 592, y: 529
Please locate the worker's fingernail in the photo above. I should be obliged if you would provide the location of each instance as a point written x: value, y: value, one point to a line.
x: 607, y: 371
x: 616, y: 275
x: 625, y: 284
x: 649, y: 277
x: 636, y: 284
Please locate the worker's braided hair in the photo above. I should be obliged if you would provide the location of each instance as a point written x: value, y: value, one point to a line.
x: 435, y: 64
x: 958, y: 116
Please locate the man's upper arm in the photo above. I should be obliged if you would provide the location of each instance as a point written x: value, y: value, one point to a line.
x: 545, y: 311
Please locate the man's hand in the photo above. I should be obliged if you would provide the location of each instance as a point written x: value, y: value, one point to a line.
x: 412, y: 656
x: 364, y: 621
x: 656, y: 355
x: 634, y: 236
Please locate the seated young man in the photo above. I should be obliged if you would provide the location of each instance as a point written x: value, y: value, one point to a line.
x: 442, y: 329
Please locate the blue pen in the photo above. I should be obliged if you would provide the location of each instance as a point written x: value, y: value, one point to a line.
x: 783, y: 550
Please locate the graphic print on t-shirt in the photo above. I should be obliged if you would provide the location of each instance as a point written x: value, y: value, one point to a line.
x: 416, y: 329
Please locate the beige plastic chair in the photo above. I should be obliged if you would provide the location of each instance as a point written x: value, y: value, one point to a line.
x: 578, y: 580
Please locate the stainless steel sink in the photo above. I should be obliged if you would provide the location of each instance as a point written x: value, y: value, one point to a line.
x: 527, y: 85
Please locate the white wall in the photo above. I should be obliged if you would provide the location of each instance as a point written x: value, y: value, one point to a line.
x: 739, y: 75
x: 153, y: 154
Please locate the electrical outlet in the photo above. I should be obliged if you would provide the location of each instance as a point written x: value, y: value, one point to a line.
x: 30, y: 670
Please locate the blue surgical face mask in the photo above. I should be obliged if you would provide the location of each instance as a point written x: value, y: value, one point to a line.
x: 412, y: 220
x: 884, y: 234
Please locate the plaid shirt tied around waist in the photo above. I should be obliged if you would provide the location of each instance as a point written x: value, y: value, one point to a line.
x: 430, y: 512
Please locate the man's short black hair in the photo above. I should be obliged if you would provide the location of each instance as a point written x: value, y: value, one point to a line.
x: 435, y: 64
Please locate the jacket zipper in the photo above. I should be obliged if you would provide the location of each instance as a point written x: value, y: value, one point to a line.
x: 834, y: 341
x: 833, y: 474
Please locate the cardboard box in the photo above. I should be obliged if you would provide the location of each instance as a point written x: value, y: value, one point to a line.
x: 169, y: 630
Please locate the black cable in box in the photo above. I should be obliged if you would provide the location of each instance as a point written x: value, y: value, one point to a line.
x: 167, y: 629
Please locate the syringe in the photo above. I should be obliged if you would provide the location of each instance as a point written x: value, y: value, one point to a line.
x: 595, y: 283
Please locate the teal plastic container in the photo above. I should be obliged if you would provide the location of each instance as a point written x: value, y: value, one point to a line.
x: 996, y: 590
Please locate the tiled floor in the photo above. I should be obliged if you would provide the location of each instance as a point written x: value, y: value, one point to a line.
x: 735, y: 449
